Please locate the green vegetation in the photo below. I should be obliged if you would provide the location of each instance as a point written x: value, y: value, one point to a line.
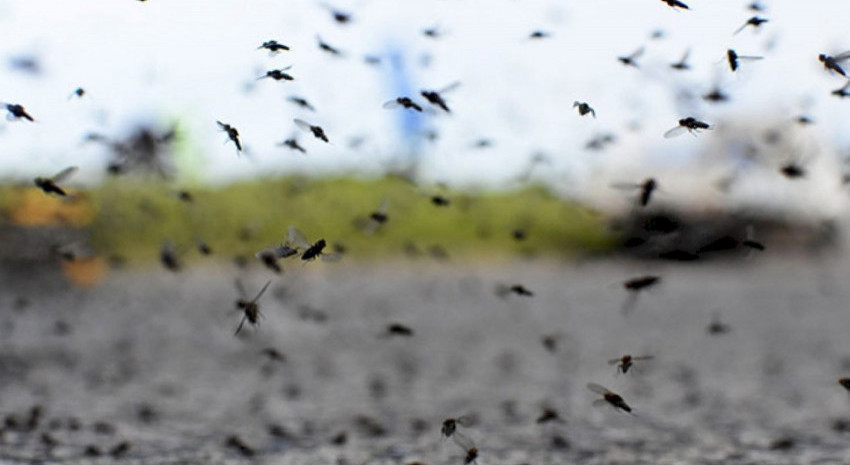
x: 133, y: 218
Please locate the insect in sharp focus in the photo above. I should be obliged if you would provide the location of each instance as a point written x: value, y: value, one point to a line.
x: 689, y: 124
x: 682, y: 65
x: 404, y: 102
x: 16, y: 111
x: 609, y: 397
x: 278, y: 74
x: 584, y: 108
x: 232, y: 134
x: 755, y: 22
x: 273, y: 46
x: 301, y: 102
x: 733, y: 58
x: 631, y: 60
x: 435, y: 97
x: 249, y: 308
x: 831, y: 63
x: 51, y: 185
x: 314, y: 250
x: 327, y: 47
x: 676, y: 4
x: 317, y: 131
x: 625, y: 362
x: 293, y: 144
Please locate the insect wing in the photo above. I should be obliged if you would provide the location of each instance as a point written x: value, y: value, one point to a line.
x: 463, y: 441
x: 597, y: 388
x: 294, y: 236
x: 644, y: 357
x: 614, y: 361
x: 675, y: 132
x: 303, y: 124
x: 241, y: 289
x: 842, y: 56
x: 262, y: 291
x: 331, y: 257
x: 449, y: 87
x: 599, y: 403
x: 64, y: 174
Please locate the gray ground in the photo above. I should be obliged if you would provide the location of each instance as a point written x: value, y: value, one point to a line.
x: 150, y: 358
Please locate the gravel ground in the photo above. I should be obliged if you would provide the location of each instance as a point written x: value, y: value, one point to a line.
x: 146, y: 368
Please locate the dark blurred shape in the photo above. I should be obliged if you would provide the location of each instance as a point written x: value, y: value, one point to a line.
x: 676, y: 4
x: 631, y: 60
x: 25, y: 64
x: 755, y: 22
x: 146, y: 150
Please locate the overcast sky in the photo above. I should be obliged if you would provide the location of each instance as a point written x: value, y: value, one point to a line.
x: 195, y: 62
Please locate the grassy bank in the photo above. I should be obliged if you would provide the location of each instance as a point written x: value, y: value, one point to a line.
x: 133, y: 218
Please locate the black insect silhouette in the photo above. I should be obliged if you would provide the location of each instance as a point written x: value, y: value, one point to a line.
x: 273, y: 46
x: 503, y: 290
x: 609, y: 398
x: 538, y: 34
x: 682, y: 64
x: 16, y: 111
x: 324, y: 46
x: 289, y: 248
x: 293, y: 144
x: 625, y: 362
x: 717, y: 326
x: 312, y: 251
x: 755, y: 22
x: 676, y: 4
x: 549, y: 415
x: 689, y: 124
x: 435, y: 97
x: 317, y: 131
x: 51, y: 185
x: 398, y: 329
x: 250, y: 308
x: 716, y: 95
x: 278, y: 74
x: 301, y: 102
x: 232, y: 134
x: 79, y: 92
x: 631, y: 60
x: 647, y: 188
x: 845, y: 383
x: 634, y: 287
x: 734, y: 59
x: 404, y: 102
x: 831, y: 63
x: 842, y: 92
x: 339, y: 16
x: 793, y: 170
x: 584, y: 108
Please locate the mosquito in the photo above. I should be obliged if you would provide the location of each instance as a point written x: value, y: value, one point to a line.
x: 51, y: 185
x: 689, y: 124
x: 625, y: 362
x: 249, y: 308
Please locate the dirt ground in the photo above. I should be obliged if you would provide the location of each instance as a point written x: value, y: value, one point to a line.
x: 146, y: 368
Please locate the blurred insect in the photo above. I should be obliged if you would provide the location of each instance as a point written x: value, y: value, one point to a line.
x: 398, y: 329
x: 314, y: 250
x: 845, y: 383
x: 249, y: 308
x: 636, y: 285
x: 317, y: 131
x: 273, y: 46
x: 327, y: 47
x: 793, y: 170
x: 377, y: 218
x: 236, y: 443
x: 750, y: 241
x: 584, y: 108
x: 432, y: 32
x: 274, y: 355
x: 339, y: 16
x: 549, y: 415
x: 625, y: 362
x: 467, y: 446
x: 168, y: 256
x: 449, y: 427
x: 301, y: 102
x: 440, y: 201
x: 755, y: 22
x: 293, y: 144
x: 79, y: 92
x: 404, y: 102
x: 733, y: 58
x: 647, y: 188
x: 16, y: 111
x: 271, y: 255
x: 435, y: 97
x: 51, y: 185
x: 631, y: 60
x: 756, y: 6
x: 716, y: 95
x: 676, y: 4
x: 843, y: 91
x: 120, y: 449
x: 232, y: 134
x: 538, y: 34
x: 830, y: 63
x: 717, y: 326
x: 503, y: 290
x: 609, y: 397
x: 203, y: 247
x: 550, y: 342
x: 682, y: 64
x: 599, y: 142
x: 278, y: 74
x: 689, y: 124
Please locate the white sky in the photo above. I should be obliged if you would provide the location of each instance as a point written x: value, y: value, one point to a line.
x: 190, y: 60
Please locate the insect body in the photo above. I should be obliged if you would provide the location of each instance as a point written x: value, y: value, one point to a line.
x: 249, y: 308
x: 51, y: 185
x: 609, y: 397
